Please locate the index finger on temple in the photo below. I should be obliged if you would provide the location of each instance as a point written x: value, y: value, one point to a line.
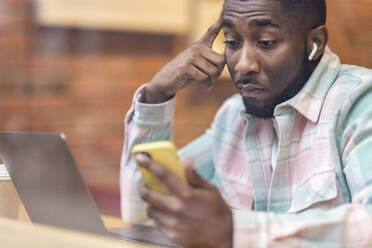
x: 209, y: 37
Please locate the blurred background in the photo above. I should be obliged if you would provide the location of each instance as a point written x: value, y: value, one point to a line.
x: 72, y: 66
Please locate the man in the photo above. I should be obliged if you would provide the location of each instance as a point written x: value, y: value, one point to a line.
x: 286, y: 163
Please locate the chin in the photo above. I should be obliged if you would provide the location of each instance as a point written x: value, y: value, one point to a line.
x: 263, y: 110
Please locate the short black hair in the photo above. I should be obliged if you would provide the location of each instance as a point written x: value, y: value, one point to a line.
x: 314, y: 9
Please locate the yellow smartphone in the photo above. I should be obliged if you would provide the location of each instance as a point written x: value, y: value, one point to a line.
x: 164, y: 153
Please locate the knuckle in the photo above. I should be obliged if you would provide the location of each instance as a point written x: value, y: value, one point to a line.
x: 194, y: 57
x: 192, y: 60
x: 178, y: 207
x: 187, y: 64
x: 173, y: 222
x: 162, y: 174
x: 221, y: 60
x: 214, y: 71
x: 144, y: 193
x: 186, y: 194
x: 195, y: 49
x: 204, y: 77
x: 172, y: 236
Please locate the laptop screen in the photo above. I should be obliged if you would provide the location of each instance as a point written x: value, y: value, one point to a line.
x: 48, y: 181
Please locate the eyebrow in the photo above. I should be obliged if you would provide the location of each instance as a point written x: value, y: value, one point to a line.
x: 228, y: 23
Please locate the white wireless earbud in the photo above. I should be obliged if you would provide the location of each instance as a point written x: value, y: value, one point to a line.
x: 313, y: 52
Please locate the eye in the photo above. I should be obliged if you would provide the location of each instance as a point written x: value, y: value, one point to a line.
x: 232, y: 44
x: 266, y: 43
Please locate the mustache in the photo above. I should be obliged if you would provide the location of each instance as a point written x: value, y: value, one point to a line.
x: 244, y: 81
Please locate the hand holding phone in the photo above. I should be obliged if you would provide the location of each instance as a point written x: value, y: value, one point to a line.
x: 164, y: 153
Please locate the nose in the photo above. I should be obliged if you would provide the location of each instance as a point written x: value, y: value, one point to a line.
x: 247, y: 63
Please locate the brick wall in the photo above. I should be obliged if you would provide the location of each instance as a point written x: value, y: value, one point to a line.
x: 81, y: 83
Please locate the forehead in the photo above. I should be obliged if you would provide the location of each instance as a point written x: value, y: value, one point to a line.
x: 268, y: 9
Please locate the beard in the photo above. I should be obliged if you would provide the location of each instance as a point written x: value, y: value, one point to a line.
x: 267, y: 111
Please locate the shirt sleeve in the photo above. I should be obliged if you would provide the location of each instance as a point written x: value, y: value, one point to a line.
x: 199, y: 151
x: 148, y: 123
x: 143, y: 123
x: 346, y: 226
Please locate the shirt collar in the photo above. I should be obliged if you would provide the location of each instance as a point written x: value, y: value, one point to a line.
x: 309, y: 101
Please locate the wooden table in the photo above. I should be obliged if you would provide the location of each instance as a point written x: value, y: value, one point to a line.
x: 22, y: 233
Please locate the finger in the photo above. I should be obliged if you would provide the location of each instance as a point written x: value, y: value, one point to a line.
x: 207, y: 68
x: 166, y: 203
x: 219, y: 60
x: 196, y: 74
x: 170, y: 234
x: 162, y: 218
x: 193, y: 178
x: 173, y: 228
x: 171, y: 181
x: 212, y: 32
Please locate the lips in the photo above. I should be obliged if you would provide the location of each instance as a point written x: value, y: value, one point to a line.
x: 251, y: 90
x: 250, y: 87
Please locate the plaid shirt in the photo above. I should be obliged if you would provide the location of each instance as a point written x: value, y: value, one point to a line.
x: 300, y: 179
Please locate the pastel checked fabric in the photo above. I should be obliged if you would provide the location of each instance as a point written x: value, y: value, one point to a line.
x: 314, y: 189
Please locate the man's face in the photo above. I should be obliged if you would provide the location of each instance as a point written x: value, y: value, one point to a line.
x: 265, y: 53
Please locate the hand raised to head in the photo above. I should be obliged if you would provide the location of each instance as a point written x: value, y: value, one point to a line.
x: 198, y: 64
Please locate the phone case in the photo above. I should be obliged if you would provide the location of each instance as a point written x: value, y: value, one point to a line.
x: 165, y: 154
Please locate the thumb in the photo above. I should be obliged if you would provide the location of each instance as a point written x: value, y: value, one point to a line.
x: 192, y: 176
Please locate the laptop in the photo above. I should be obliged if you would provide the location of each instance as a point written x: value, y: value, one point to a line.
x: 53, y: 191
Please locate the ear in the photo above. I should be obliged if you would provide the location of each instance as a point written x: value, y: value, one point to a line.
x: 319, y: 35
